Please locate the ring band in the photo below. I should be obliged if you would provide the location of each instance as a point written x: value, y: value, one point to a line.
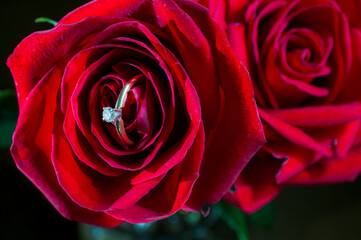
x: 115, y: 114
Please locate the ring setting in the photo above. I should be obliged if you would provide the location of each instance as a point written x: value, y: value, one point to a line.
x: 111, y: 114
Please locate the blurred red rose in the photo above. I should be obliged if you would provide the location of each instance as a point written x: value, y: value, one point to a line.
x: 304, y: 59
x: 192, y: 116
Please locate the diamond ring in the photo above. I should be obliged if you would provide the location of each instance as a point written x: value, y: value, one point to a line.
x: 115, y: 114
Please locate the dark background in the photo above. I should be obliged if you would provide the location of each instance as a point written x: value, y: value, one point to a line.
x: 307, y: 213
x: 24, y: 212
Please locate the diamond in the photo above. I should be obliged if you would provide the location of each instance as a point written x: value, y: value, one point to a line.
x: 111, y: 114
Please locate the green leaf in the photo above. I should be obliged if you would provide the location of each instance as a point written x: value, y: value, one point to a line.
x: 235, y: 219
x: 264, y: 217
x: 8, y: 116
x: 45, y: 20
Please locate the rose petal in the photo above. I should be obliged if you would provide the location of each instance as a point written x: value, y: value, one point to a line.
x: 234, y: 9
x: 350, y: 91
x: 297, y: 160
x: 258, y: 53
x: 171, y: 193
x: 351, y: 8
x: 310, y: 89
x: 319, y: 116
x: 175, y: 153
x: 239, y: 134
x: 37, y: 53
x: 236, y: 35
x: 91, y: 189
x: 31, y: 150
x: 256, y: 185
x: 294, y: 134
x: 345, y: 140
x: 332, y: 170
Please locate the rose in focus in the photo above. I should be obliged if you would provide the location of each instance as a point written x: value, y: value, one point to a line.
x: 304, y: 60
x: 190, y: 116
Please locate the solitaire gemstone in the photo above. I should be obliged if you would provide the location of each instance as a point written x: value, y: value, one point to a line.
x: 111, y: 114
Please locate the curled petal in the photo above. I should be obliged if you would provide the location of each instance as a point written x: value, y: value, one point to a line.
x: 331, y: 170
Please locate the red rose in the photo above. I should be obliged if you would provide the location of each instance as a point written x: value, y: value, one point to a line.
x: 187, y: 126
x: 304, y: 59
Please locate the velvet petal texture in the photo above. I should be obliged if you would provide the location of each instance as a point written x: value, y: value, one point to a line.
x: 190, y: 109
